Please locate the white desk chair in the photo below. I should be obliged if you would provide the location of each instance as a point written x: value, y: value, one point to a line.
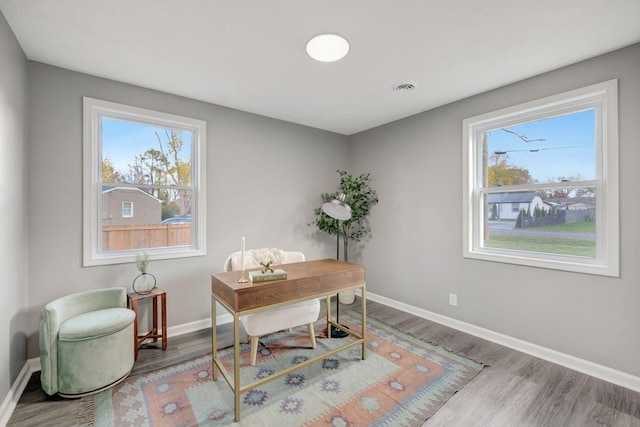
x: 276, y: 319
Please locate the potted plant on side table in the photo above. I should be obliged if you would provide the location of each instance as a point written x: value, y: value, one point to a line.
x: 145, y: 282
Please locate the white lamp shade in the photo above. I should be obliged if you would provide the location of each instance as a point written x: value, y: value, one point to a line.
x: 337, y: 209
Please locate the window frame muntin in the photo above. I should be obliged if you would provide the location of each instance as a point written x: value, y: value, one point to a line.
x: 93, y: 112
x: 604, y: 98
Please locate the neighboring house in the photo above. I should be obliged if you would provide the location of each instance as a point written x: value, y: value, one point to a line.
x: 576, y: 203
x: 130, y: 206
x: 577, y: 209
x: 579, y: 205
x: 553, y: 205
x: 507, y: 205
x: 572, y: 203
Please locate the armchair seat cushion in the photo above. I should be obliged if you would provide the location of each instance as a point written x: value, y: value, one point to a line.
x: 88, y: 326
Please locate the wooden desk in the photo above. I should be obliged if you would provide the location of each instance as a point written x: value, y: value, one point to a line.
x: 154, y: 333
x: 305, y: 280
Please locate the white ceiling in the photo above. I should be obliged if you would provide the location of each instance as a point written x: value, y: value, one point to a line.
x: 250, y: 55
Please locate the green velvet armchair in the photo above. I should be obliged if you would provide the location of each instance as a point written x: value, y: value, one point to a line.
x: 86, y: 342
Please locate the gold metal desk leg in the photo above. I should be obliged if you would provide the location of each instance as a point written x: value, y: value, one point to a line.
x: 236, y: 365
x: 363, y: 297
x: 214, y: 339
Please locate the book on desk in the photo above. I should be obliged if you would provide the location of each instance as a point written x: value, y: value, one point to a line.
x: 259, y: 276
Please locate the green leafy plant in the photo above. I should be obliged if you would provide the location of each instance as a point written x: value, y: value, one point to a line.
x: 361, y: 198
x: 142, y: 261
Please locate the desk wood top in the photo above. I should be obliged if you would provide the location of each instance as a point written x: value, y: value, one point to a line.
x: 304, y: 279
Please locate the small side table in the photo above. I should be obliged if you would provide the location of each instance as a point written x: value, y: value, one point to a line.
x: 132, y: 302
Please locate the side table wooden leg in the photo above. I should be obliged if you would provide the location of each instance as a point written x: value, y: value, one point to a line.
x: 134, y: 307
x: 164, y: 321
x: 154, y: 302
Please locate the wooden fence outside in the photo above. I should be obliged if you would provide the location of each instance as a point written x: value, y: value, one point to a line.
x: 122, y: 237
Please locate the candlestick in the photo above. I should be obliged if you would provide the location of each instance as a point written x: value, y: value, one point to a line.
x: 242, y: 249
x: 242, y: 279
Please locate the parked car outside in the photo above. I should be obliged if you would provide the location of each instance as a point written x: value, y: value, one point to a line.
x: 176, y: 220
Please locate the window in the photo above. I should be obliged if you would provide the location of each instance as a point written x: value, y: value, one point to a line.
x: 541, y: 183
x: 127, y: 210
x: 149, y: 159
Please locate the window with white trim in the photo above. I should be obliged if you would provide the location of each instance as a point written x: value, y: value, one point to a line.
x: 541, y: 183
x: 127, y: 210
x: 151, y: 159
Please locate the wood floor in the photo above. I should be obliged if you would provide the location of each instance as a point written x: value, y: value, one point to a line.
x: 516, y: 390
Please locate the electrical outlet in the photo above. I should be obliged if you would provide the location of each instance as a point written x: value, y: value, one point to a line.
x: 453, y: 300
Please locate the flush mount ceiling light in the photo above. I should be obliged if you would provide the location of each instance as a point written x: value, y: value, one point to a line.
x: 327, y: 47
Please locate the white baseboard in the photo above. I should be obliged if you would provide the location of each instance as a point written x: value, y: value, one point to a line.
x: 198, y: 325
x: 602, y: 372
x: 10, y: 402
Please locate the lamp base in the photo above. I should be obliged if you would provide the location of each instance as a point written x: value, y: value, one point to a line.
x: 338, y: 333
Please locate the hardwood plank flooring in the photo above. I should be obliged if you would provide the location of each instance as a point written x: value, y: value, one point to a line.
x: 516, y: 390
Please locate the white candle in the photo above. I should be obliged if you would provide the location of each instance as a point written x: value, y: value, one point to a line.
x: 242, y: 254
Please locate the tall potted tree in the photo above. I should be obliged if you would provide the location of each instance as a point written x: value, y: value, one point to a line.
x: 361, y: 198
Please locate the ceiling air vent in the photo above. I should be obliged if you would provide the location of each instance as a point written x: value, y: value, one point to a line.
x: 404, y: 87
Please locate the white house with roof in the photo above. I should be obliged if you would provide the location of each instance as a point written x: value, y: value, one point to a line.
x: 507, y: 205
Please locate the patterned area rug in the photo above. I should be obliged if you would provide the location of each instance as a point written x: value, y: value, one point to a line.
x: 402, y: 382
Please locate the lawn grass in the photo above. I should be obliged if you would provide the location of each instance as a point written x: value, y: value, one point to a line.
x: 572, y: 227
x: 550, y: 245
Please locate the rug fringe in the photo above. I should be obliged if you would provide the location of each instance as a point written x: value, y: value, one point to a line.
x: 87, y: 414
x: 453, y: 394
x: 457, y: 353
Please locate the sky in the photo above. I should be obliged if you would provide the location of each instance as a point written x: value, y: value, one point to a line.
x: 122, y: 141
x: 565, y: 144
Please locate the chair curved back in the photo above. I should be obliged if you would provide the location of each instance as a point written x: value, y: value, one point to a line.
x: 274, y: 319
x: 253, y: 257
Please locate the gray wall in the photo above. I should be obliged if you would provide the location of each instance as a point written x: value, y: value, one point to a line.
x: 415, y: 255
x: 13, y: 207
x: 264, y: 178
